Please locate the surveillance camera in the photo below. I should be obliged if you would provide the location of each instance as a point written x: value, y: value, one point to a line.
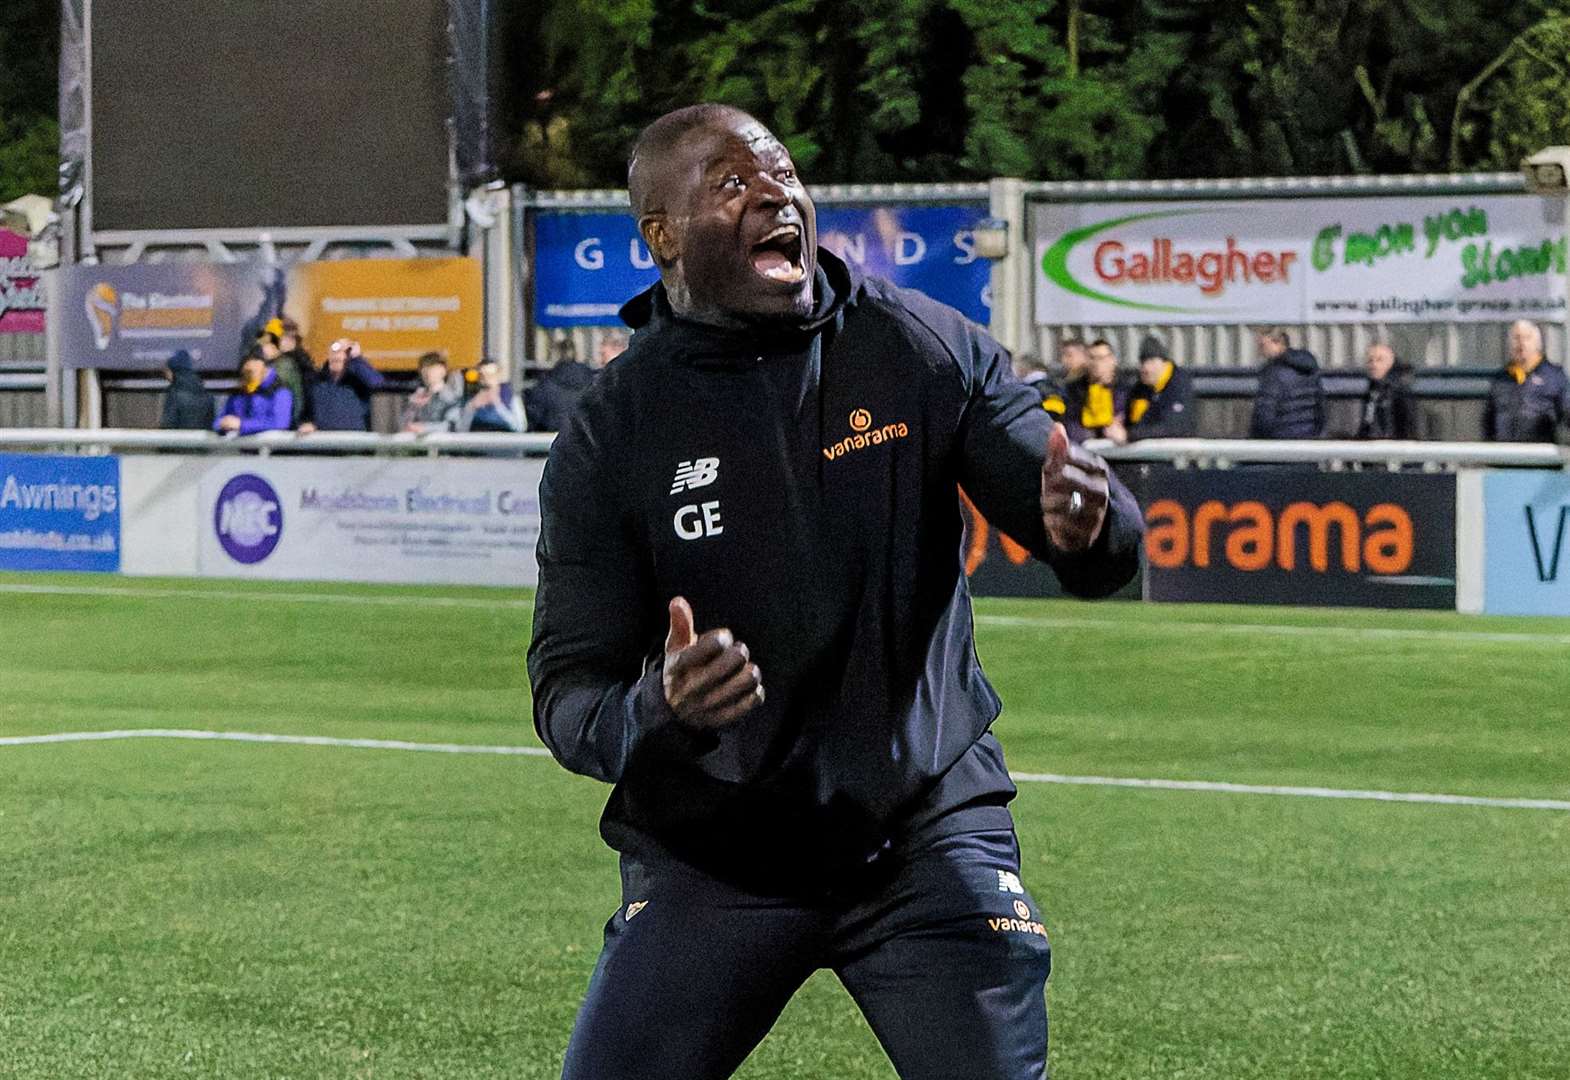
x: 1547, y: 172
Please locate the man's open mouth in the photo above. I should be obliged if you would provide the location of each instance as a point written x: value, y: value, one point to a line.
x: 778, y: 255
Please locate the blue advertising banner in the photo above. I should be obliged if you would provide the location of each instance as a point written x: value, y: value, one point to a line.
x: 1526, y: 523
x: 133, y: 318
x: 59, y: 513
x: 588, y: 264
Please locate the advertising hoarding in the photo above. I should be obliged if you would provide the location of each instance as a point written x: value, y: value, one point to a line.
x: 1331, y: 260
x: 1290, y: 536
x: 459, y: 521
x: 22, y: 303
x: 397, y: 309
x: 1526, y: 559
x: 588, y: 264
x: 59, y: 513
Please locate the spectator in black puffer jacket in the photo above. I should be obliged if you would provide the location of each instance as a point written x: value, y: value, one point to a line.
x: 1161, y: 405
x: 1290, y: 402
x: 1388, y: 412
x: 187, y: 406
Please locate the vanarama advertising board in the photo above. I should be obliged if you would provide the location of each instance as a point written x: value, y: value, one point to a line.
x: 1396, y: 259
x: 1286, y: 536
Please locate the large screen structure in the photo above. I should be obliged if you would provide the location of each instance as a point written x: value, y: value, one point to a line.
x: 267, y: 114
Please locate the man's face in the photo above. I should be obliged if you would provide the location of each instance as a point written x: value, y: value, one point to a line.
x: 1269, y: 347
x: 1075, y: 360
x: 289, y: 343
x: 490, y: 375
x: 252, y: 372
x: 267, y: 347
x: 738, y: 234
x: 433, y: 375
x: 1379, y: 361
x: 1523, y: 344
x: 1150, y: 370
x: 611, y: 346
x: 1103, y: 364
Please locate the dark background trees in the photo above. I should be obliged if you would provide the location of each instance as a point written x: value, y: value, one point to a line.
x: 888, y: 90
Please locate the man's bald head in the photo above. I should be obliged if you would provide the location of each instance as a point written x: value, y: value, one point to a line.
x: 656, y: 143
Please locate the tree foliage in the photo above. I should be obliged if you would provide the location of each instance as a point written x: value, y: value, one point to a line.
x: 888, y: 90
x: 892, y: 90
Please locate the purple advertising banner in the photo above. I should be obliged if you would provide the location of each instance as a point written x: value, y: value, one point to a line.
x: 134, y: 318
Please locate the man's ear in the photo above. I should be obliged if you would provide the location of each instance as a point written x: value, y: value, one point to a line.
x: 660, y: 238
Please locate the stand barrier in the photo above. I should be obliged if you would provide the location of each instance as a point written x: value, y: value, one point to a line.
x: 1475, y: 527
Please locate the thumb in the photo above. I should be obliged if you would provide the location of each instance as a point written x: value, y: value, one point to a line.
x: 1057, y: 450
x: 681, y: 634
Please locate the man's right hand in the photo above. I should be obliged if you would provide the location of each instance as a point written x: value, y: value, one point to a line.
x: 710, y: 681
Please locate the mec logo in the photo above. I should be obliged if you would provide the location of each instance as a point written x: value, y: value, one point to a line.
x: 248, y: 518
x: 1249, y: 536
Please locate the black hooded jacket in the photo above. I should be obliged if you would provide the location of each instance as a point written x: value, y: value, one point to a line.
x: 1290, y: 401
x: 187, y: 404
x: 797, y: 486
x: 1388, y: 408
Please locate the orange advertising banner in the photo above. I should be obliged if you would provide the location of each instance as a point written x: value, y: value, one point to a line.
x: 397, y: 309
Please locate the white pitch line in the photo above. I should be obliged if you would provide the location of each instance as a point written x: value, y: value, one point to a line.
x: 336, y: 599
x: 1018, y: 777
x: 1397, y: 633
x: 1501, y: 637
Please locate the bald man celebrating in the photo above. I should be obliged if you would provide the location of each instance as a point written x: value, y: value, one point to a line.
x: 753, y: 619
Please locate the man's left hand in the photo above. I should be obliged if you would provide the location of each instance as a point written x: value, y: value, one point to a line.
x: 1074, y: 493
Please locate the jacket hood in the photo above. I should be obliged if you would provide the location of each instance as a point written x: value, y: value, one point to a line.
x: 650, y: 314
x: 1299, y: 360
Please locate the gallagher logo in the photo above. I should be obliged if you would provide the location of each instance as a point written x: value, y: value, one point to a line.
x: 1248, y: 536
x: 1159, y: 261
x: 248, y: 518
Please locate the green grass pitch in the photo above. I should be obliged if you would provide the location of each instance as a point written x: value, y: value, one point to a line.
x: 174, y: 908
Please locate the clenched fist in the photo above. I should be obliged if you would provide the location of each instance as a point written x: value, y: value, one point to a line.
x: 1074, y: 493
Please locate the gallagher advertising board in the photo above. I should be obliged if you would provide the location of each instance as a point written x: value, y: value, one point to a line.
x: 587, y: 265
x: 1281, y: 536
x: 1526, y: 567
x: 1333, y: 260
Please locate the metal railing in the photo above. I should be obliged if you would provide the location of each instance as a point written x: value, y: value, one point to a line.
x: 1214, y: 453
x: 1220, y: 453
x: 102, y: 440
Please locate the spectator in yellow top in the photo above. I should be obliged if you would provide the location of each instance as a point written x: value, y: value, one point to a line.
x: 1161, y: 405
x: 1094, y: 403
x: 1529, y: 399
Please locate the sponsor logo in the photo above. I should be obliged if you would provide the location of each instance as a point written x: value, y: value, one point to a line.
x: 1249, y: 536
x: 102, y: 305
x: 1546, y: 562
x: 864, y: 434
x: 1008, y: 881
x: 1022, y: 909
x: 635, y: 907
x: 248, y: 518
x: 1158, y: 261
x: 1016, y: 926
x: 695, y: 474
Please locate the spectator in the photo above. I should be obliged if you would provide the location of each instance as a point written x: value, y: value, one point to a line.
x: 1290, y: 402
x: 187, y: 405
x: 1032, y: 371
x: 1529, y: 400
x: 435, y: 405
x: 1387, y: 404
x: 262, y: 403
x: 493, y: 407
x: 1094, y: 402
x: 293, y: 364
x: 1162, y: 403
x: 612, y: 344
x: 339, y: 396
x: 288, y: 372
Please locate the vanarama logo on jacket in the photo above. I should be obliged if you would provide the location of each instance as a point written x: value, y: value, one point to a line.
x: 1281, y: 536
x: 864, y: 433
